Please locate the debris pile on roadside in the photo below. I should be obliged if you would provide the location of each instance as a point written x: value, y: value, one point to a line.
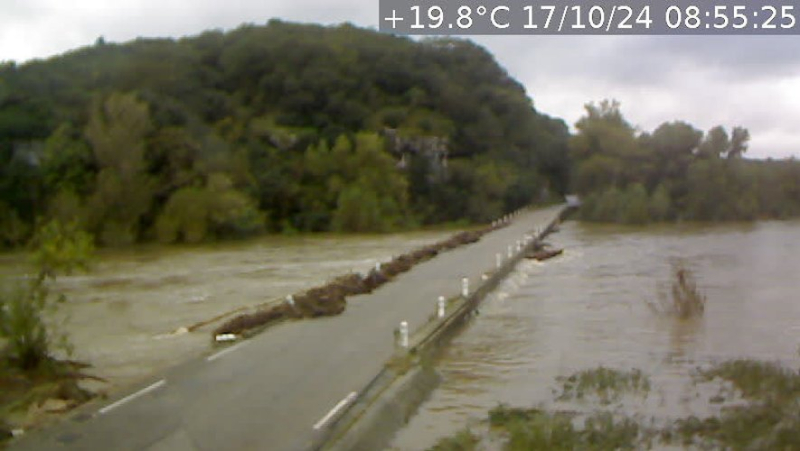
x: 331, y: 299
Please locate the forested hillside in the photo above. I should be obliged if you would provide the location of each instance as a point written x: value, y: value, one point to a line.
x: 288, y: 127
x: 268, y: 128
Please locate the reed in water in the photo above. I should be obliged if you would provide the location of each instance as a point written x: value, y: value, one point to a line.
x: 684, y: 299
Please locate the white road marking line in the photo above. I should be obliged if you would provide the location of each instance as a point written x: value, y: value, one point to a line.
x: 211, y: 358
x: 347, y: 400
x: 129, y: 398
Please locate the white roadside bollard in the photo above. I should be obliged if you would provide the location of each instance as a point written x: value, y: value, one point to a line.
x: 290, y: 300
x: 404, y: 334
x: 465, y: 287
x: 378, y: 267
x: 440, y: 309
x: 519, y: 245
x: 498, y: 260
x: 510, y: 251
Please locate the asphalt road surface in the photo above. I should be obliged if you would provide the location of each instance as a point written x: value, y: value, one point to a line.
x: 272, y: 392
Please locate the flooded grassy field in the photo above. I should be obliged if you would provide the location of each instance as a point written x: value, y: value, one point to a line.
x: 121, y: 316
x: 555, y: 328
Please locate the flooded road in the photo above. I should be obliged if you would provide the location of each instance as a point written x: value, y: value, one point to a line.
x: 588, y: 308
x: 120, y: 316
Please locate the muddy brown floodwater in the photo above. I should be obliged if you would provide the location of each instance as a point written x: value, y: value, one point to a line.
x: 122, y: 314
x: 587, y: 308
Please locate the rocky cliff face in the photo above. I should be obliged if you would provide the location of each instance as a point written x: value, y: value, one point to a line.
x: 433, y: 148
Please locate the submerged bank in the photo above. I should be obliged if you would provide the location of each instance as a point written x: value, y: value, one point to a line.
x: 756, y: 406
x: 122, y: 317
x: 300, y: 370
x: 588, y: 308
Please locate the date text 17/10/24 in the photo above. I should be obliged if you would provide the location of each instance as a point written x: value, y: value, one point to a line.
x: 520, y: 17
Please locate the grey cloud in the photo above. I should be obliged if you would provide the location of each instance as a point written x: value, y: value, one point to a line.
x: 703, y: 80
x: 645, y: 60
x: 731, y: 57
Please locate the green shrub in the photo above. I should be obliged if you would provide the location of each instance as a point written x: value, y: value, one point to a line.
x: 22, y: 306
x: 25, y: 304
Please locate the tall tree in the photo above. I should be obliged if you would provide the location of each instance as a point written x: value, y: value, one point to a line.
x: 715, y: 144
x: 740, y: 137
x: 116, y: 131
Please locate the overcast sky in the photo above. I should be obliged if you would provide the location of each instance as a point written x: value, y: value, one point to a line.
x: 749, y: 81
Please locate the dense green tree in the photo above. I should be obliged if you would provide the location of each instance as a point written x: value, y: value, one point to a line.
x: 603, y: 131
x: 675, y: 173
x: 715, y: 144
x: 660, y: 205
x: 116, y: 131
x: 351, y: 170
x: 634, y: 205
x: 739, y: 138
x: 67, y: 163
x: 597, y: 173
x: 216, y: 210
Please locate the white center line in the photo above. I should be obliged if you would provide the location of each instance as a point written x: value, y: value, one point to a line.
x: 213, y: 357
x: 347, y: 400
x: 129, y: 398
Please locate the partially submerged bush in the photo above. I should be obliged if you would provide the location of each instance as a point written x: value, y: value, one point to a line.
x: 684, y: 299
x: 503, y: 415
x: 607, y: 384
x: 24, y: 304
x: 464, y: 440
x: 770, y: 419
x: 756, y: 380
x: 61, y: 248
x: 535, y: 429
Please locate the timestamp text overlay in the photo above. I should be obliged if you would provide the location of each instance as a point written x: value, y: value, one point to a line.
x: 590, y: 17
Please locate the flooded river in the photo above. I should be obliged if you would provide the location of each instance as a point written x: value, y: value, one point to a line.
x: 121, y: 314
x: 588, y: 308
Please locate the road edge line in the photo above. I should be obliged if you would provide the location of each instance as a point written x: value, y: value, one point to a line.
x: 132, y: 396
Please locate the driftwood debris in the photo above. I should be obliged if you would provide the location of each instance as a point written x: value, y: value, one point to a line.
x: 544, y: 254
x: 331, y: 298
